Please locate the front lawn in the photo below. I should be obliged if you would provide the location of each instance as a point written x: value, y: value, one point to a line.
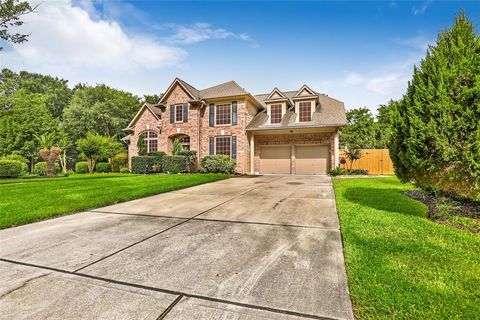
x: 400, y: 264
x: 27, y: 200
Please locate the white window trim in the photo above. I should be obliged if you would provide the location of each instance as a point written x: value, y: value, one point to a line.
x: 215, y: 145
x: 215, y: 115
x: 175, y: 113
x: 297, y: 110
x: 269, y: 112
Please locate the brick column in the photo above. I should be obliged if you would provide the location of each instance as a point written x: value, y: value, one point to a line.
x: 252, y: 153
x: 336, y: 151
x: 293, y: 160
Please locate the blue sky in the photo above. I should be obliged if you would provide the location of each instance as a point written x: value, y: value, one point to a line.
x: 359, y: 52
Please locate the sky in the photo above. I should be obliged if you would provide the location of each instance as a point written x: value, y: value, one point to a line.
x: 361, y: 53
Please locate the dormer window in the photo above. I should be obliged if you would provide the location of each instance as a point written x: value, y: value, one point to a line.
x: 276, y: 111
x: 305, y: 111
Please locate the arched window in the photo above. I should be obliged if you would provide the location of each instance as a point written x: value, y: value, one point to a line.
x: 185, y: 141
x: 151, y: 140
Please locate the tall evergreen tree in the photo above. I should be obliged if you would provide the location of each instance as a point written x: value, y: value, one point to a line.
x: 436, y: 137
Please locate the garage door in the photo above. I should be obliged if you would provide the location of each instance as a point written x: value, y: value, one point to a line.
x: 311, y: 159
x: 275, y: 159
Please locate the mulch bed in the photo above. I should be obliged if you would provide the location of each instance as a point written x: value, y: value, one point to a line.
x: 439, y: 205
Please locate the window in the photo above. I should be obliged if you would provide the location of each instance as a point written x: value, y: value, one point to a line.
x: 185, y: 141
x: 305, y: 111
x: 275, y: 113
x: 223, y: 114
x: 179, y: 113
x: 151, y: 140
x: 223, y: 145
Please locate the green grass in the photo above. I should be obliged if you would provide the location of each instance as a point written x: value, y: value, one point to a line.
x: 401, y: 265
x: 27, y: 200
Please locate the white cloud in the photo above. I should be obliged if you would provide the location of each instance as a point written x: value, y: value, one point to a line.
x: 66, y: 36
x: 199, y: 32
x: 422, y: 8
x: 418, y: 42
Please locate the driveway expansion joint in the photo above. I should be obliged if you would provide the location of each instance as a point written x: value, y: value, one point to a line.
x: 179, y: 294
x: 170, y: 307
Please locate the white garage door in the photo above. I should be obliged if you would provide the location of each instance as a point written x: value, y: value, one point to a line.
x: 311, y: 159
x: 275, y: 159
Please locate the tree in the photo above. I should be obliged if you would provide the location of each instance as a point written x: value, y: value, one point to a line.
x: 176, y: 147
x: 152, y: 98
x: 56, y: 91
x: 384, y: 125
x: 360, y: 129
x: 22, y: 116
x: 99, y: 109
x: 436, y: 135
x: 10, y: 13
x: 142, y: 145
x: 93, y: 147
x: 48, y: 152
x: 352, y: 155
x: 64, y: 143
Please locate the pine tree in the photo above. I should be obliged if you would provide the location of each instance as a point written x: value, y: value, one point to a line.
x: 436, y: 135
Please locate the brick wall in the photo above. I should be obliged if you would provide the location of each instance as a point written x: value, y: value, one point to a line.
x: 145, y: 121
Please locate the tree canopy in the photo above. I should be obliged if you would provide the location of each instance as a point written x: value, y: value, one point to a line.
x: 10, y: 16
x: 436, y: 129
x: 99, y: 109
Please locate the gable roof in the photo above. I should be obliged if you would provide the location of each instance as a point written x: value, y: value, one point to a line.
x: 328, y: 112
x: 304, y: 88
x: 227, y: 89
x: 190, y: 90
x: 275, y: 90
x: 156, y: 111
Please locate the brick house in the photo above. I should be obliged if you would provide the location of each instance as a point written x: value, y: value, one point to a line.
x: 293, y: 132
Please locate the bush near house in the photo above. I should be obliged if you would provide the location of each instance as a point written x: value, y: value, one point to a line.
x: 191, y: 159
x: 157, y: 160
x: 103, y: 167
x: 175, y: 164
x: 40, y: 168
x: 124, y: 170
x: 119, y: 161
x: 81, y: 167
x: 142, y: 164
x: 11, y: 168
x: 218, y: 163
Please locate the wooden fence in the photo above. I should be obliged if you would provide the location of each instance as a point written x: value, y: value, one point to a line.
x: 376, y: 161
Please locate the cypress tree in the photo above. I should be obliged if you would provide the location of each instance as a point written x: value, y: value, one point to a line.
x: 436, y: 131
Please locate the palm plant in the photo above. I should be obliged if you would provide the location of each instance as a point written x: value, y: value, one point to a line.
x: 353, y: 155
x: 48, y: 152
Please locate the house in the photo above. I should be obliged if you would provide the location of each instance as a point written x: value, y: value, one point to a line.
x: 292, y: 132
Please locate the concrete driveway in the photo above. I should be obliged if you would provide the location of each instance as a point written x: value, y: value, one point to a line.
x: 265, y: 247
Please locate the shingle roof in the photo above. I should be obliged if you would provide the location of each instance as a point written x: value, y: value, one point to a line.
x: 227, y: 89
x: 329, y: 112
x: 191, y: 89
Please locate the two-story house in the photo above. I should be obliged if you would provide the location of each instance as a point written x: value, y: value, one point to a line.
x: 293, y: 132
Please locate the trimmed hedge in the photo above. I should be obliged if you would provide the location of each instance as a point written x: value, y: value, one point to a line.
x: 175, y: 164
x: 40, y: 168
x: 124, y: 170
x: 218, y: 163
x: 103, y: 167
x: 11, y: 168
x: 157, y: 160
x: 81, y: 167
x: 142, y: 164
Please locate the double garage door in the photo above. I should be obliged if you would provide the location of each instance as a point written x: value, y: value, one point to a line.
x: 308, y: 159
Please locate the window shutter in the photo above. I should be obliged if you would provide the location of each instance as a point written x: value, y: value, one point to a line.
x: 172, y: 113
x: 211, y: 110
x: 185, y: 112
x: 212, y: 145
x: 234, y: 112
x: 234, y: 148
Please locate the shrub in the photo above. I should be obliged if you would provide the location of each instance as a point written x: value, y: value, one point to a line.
x: 81, y: 167
x: 157, y: 160
x: 40, y: 168
x: 218, y: 163
x: 191, y: 159
x: 175, y: 164
x: 103, y: 167
x: 142, y: 164
x: 11, y: 168
x: 119, y: 161
x: 124, y: 170
x: 357, y: 172
x: 15, y: 157
x: 336, y: 172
